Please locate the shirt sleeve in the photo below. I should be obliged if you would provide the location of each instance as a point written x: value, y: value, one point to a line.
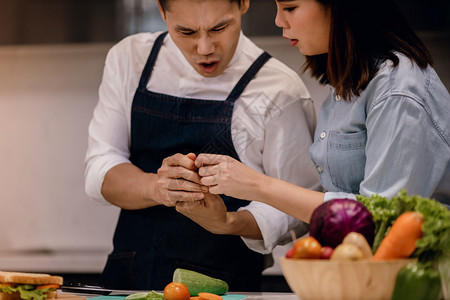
x: 285, y: 156
x: 108, y: 134
x: 338, y: 195
x: 400, y: 133
x: 275, y: 226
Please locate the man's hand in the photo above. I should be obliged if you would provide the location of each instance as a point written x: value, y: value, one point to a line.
x: 210, y: 213
x: 178, y: 181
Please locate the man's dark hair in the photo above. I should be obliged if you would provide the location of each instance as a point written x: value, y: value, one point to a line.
x: 165, y: 4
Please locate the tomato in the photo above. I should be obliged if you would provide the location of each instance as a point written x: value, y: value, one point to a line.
x: 176, y: 291
x: 48, y: 286
x: 289, y: 253
x: 307, y: 247
x: 326, y: 252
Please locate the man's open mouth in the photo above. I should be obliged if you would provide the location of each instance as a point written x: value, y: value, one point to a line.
x: 209, y: 67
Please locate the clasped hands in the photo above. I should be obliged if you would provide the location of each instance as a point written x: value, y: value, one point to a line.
x: 188, y: 178
x: 191, y: 184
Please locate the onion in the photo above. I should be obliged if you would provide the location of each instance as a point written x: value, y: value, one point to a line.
x: 334, y: 219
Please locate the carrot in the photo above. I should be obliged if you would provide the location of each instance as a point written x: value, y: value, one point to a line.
x: 400, y: 242
x: 209, y: 296
x: 48, y: 286
x: 195, y: 298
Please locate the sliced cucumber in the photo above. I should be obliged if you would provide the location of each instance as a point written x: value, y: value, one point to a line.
x: 145, y: 296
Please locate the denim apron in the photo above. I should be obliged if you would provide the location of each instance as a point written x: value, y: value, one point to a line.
x: 149, y: 244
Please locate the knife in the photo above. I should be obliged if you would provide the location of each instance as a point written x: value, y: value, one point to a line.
x: 81, y: 288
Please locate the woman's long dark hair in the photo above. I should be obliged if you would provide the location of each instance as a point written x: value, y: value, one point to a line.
x: 363, y: 33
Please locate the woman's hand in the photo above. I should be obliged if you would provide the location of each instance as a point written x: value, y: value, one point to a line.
x: 225, y: 175
x: 178, y: 180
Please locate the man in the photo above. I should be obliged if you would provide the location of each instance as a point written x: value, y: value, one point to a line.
x: 204, y: 88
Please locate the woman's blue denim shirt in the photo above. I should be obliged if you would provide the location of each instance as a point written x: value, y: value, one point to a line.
x: 395, y: 135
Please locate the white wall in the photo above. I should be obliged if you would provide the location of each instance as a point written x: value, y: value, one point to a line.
x: 47, y: 94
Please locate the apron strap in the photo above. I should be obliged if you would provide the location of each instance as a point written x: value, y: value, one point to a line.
x: 235, y: 93
x: 147, y: 72
x: 248, y: 76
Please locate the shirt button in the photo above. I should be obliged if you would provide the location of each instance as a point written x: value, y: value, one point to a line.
x: 319, y: 169
x: 323, y: 134
x: 338, y: 98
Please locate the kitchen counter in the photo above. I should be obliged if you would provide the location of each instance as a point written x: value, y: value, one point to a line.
x: 229, y: 296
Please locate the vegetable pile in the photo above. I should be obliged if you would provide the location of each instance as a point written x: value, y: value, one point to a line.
x: 376, y: 228
x: 425, y: 223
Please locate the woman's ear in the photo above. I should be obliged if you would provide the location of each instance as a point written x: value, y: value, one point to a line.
x: 245, y: 4
x: 161, y: 11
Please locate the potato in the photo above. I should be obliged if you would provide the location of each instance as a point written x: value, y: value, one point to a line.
x: 346, y: 252
x: 357, y: 239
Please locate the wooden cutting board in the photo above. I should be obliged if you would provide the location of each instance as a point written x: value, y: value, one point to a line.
x: 64, y: 296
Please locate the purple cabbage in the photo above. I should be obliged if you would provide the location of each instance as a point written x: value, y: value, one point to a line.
x: 334, y: 219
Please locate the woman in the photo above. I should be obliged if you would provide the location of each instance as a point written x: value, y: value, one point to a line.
x: 385, y: 127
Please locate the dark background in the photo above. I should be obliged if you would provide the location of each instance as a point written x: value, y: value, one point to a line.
x: 83, y: 21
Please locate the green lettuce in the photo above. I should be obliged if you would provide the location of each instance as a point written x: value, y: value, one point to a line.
x: 435, y: 241
x: 26, y: 291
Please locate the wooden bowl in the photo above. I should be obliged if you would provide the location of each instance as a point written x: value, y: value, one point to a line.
x: 331, y: 279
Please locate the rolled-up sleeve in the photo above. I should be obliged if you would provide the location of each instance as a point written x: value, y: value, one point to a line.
x: 338, y: 195
x: 285, y: 156
x: 108, y: 135
x: 275, y: 227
